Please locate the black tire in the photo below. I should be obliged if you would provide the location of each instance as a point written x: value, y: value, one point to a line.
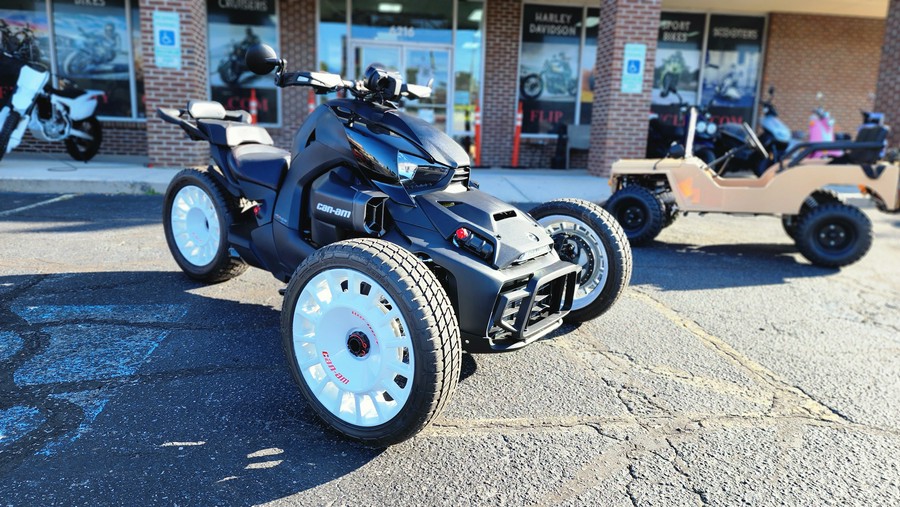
x: 77, y: 64
x: 815, y: 199
x: 609, y: 274
x: 82, y: 149
x: 6, y: 130
x: 532, y: 86
x: 834, y: 235
x: 221, y: 265
x: 430, y: 330
x: 670, y: 208
x: 639, y: 211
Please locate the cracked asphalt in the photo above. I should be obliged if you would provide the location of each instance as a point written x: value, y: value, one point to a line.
x: 731, y: 372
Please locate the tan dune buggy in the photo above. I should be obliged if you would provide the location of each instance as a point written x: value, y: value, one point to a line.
x: 649, y: 194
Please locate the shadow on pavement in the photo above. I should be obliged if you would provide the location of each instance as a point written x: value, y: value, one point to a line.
x: 719, y: 266
x: 88, y: 214
x: 125, y: 386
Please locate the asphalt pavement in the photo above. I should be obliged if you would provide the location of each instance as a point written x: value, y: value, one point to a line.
x: 730, y: 372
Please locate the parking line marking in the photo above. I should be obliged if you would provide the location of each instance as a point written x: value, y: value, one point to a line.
x: 769, y: 378
x: 9, y: 212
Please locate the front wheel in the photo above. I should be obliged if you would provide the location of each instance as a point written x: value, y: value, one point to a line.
x: 640, y: 212
x: 834, y: 235
x: 371, y: 339
x: 82, y: 149
x: 77, y: 64
x: 6, y: 130
x: 532, y: 86
x: 197, y: 214
x: 585, y: 234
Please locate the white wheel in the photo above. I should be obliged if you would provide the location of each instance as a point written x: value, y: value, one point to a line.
x: 196, y: 219
x: 577, y: 243
x: 371, y: 340
x: 586, y: 235
x: 353, y: 347
x: 195, y: 225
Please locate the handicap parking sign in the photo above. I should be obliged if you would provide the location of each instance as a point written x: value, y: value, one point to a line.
x: 634, y: 66
x: 166, y: 38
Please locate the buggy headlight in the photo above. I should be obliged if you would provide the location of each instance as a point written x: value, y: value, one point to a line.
x: 418, y: 174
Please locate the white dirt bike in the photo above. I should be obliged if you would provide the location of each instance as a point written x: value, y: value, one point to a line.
x: 50, y: 114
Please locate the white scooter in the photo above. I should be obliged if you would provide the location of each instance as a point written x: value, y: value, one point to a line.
x: 50, y: 114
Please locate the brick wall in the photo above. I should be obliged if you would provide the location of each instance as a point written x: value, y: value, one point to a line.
x: 172, y: 87
x: 888, y: 99
x: 619, y: 121
x: 503, y: 21
x: 119, y: 138
x: 298, y: 46
x: 837, y: 56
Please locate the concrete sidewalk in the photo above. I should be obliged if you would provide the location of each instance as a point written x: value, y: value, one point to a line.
x: 57, y: 173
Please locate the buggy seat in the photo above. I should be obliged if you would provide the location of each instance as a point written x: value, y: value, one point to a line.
x: 865, y: 150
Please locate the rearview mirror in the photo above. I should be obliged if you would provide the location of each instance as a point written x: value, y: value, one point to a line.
x: 261, y: 59
x: 676, y: 151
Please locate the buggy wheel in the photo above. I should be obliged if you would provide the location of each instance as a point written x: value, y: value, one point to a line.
x: 815, y: 199
x: 639, y: 211
x: 371, y: 339
x: 197, y: 214
x: 585, y: 234
x: 834, y: 235
x: 85, y: 149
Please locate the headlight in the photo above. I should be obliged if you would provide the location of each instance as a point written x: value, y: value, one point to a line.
x: 416, y: 173
x: 711, y: 128
x: 701, y: 127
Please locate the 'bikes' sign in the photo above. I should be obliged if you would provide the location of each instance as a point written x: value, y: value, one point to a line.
x: 234, y: 26
x: 548, y: 66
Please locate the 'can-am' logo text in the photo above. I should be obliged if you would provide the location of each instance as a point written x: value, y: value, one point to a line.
x: 334, y: 211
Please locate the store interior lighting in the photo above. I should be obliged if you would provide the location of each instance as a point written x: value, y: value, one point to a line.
x: 475, y: 17
x: 390, y: 8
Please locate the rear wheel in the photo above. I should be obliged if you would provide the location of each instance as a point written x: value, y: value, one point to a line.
x: 817, y: 198
x: 197, y: 214
x: 371, y: 339
x: 84, y: 149
x: 834, y: 235
x: 639, y: 211
x: 585, y: 234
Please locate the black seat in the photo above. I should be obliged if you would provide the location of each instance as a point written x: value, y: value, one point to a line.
x: 260, y: 164
x: 232, y: 133
x: 874, y: 134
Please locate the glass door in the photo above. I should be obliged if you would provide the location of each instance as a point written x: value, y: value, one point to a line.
x: 417, y: 64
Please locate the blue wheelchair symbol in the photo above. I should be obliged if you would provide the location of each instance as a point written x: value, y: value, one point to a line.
x: 166, y: 38
x: 634, y: 66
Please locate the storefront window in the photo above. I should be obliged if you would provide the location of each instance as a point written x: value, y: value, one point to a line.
x: 467, y: 64
x: 403, y: 21
x: 24, y: 33
x: 731, y: 74
x: 679, y: 51
x: 333, y: 37
x: 588, y: 63
x: 93, y: 50
x: 730, y: 69
x: 232, y: 30
x: 556, y: 66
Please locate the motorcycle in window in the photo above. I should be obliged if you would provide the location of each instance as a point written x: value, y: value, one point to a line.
x: 51, y: 114
x: 556, y: 77
x: 95, y: 51
x: 233, y: 66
